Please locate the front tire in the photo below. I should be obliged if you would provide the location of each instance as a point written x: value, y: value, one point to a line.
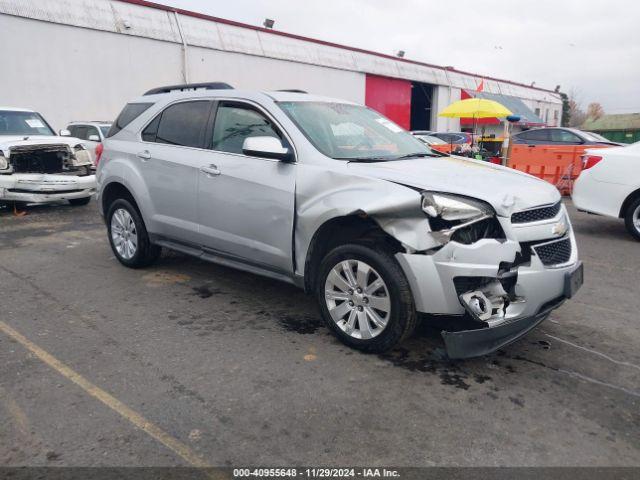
x: 128, y: 236
x: 632, y: 219
x: 365, y: 298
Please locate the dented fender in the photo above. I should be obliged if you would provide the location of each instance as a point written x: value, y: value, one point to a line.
x: 323, y: 195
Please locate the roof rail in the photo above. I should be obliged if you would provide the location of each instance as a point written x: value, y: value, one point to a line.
x: 292, y: 90
x: 190, y: 86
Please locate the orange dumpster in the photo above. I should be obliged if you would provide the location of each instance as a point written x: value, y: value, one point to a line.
x: 557, y: 164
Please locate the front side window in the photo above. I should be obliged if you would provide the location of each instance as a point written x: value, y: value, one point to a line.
x: 79, y: 131
x: 352, y: 132
x: 181, y: 124
x: 235, y: 123
x: 23, y: 123
x: 92, y: 131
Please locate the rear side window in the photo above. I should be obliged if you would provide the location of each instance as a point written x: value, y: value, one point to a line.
x: 129, y: 113
x: 180, y: 124
x: 564, y: 136
x: 541, y: 135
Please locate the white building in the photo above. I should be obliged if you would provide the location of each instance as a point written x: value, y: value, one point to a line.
x: 84, y: 59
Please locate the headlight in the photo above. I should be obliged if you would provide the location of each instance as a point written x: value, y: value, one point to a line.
x: 452, y: 208
x: 82, y: 156
x: 4, y: 164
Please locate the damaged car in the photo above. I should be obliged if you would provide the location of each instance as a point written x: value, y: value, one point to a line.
x: 335, y: 198
x: 37, y: 166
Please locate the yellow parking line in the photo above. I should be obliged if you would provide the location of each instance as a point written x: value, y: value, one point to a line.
x: 116, y: 405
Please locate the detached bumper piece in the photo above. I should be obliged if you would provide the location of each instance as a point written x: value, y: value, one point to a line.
x: 475, y: 343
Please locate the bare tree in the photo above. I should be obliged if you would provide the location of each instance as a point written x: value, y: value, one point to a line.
x: 577, y: 116
x: 595, y: 111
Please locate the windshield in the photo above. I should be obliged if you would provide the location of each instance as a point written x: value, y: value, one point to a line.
x: 595, y: 137
x: 353, y: 132
x: 105, y: 129
x: 23, y: 123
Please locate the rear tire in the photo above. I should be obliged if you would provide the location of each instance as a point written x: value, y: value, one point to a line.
x: 128, y: 236
x: 78, y: 202
x: 372, y: 308
x: 632, y: 218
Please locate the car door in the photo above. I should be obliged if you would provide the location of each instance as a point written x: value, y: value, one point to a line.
x: 171, y: 154
x: 246, y: 203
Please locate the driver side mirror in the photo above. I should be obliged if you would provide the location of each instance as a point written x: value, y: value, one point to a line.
x: 266, y: 147
x: 64, y: 133
x: 94, y: 138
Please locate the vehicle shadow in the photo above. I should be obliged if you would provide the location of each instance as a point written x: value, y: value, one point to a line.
x: 283, y: 307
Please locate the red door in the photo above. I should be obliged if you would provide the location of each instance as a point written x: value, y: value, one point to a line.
x: 391, y: 97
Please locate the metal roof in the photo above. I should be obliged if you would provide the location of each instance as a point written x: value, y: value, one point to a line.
x: 141, y: 18
x: 320, y: 42
x: 517, y: 106
x: 618, y: 121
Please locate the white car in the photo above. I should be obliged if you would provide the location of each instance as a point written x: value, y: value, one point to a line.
x: 609, y: 184
x: 38, y: 166
x: 92, y: 133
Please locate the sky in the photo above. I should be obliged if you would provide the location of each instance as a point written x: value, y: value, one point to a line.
x: 591, y: 48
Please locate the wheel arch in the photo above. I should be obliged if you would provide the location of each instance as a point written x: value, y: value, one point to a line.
x: 357, y: 228
x: 112, y: 192
x: 633, y: 196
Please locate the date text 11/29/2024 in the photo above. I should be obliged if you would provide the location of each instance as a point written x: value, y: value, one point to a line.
x: 315, y: 473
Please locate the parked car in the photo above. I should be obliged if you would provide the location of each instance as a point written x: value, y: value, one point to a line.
x: 91, y: 133
x: 37, y: 166
x: 609, y: 184
x: 453, y: 142
x: 455, y: 138
x: 336, y: 199
x: 560, y: 136
x: 427, y: 138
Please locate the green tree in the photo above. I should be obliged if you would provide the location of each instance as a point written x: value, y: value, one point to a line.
x: 566, y: 110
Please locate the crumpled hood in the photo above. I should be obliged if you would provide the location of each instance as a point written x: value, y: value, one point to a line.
x: 507, y: 190
x: 6, y: 142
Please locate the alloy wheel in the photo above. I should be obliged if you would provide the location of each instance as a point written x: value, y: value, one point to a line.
x: 124, y: 233
x: 357, y: 299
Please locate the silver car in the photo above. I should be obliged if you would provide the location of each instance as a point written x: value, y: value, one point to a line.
x: 333, y: 197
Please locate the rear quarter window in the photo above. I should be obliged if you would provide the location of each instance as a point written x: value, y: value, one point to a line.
x: 129, y: 113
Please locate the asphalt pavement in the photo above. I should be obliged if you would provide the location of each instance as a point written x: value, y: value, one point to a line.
x: 189, y: 363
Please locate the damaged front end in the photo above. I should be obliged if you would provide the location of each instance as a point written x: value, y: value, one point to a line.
x: 41, y: 173
x: 490, y: 271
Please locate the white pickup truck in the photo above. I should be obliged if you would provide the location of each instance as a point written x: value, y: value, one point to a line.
x: 38, y: 166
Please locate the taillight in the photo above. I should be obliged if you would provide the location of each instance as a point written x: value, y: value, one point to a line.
x: 589, y: 161
x: 99, y: 150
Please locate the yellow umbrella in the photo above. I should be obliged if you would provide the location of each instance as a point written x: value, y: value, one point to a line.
x: 475, y: 108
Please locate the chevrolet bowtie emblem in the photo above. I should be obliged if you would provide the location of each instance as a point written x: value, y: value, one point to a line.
x: 559, y: 229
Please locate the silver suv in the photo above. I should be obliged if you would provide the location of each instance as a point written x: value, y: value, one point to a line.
x: 333, y: 197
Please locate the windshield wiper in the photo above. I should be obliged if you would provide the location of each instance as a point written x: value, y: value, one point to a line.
x: 366, y: 159
x: 414, y: 155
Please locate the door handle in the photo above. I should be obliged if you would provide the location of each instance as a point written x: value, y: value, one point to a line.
x: 530, y: 146
x: 210, y: 170
x: 144, y: 156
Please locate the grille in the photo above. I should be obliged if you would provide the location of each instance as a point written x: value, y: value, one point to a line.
x: 536, y: 214
x: 554, y: 253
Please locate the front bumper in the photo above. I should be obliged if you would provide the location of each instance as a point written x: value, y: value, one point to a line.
x: 537, y: 290
x: 474, y: 343
x: 45, y: 188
